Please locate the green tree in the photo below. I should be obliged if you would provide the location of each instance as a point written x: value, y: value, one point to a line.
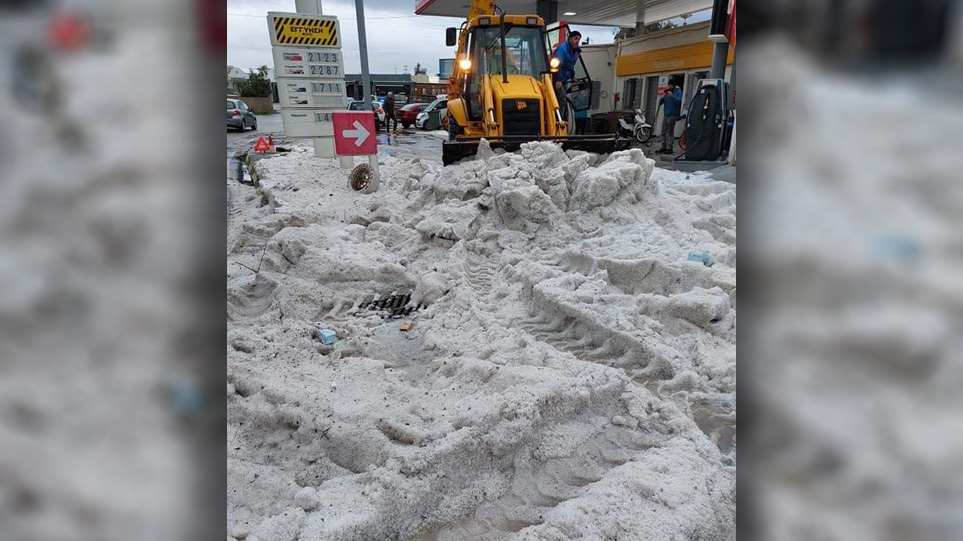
x: 420, y: 70
x: 257, y: 86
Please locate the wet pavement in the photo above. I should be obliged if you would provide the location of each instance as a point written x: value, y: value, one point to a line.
x: 239, y: 143
x: 412, y: 143
x: 720, y: 170
x: 407, y: 143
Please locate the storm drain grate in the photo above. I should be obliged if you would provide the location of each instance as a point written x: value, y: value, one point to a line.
x: 393, y: 306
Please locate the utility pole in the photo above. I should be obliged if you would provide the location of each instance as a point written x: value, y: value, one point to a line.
x: 366, y: 81
x: 308, y: 6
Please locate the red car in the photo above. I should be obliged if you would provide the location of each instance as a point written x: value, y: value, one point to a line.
x: 409, y: 112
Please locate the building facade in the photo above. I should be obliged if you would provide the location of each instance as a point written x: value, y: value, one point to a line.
x: 636, y: 69
x: 381, y: 84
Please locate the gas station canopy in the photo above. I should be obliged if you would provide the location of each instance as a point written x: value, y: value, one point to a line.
x: 595, y: 12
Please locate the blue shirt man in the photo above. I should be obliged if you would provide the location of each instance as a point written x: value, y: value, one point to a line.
x: 672, y: 102
x: 568, y: 53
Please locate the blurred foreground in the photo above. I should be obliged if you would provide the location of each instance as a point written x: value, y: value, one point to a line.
x: 106, y: 408
x: 852, y: 424
x: 111, y: 292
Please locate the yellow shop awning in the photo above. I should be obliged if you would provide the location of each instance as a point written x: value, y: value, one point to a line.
x: 679, y: 58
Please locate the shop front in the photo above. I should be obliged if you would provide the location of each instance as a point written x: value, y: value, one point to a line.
x: 647, y: 64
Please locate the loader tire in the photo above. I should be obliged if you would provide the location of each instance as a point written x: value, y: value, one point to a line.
x: 570, y: 116
x: 454, y: 130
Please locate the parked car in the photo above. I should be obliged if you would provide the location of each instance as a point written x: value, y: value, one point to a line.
x: 239, y: 115
x: 379, y: 112
x: 409, y: 113
x: 440, y: 104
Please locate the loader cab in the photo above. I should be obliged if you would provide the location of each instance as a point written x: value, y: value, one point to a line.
x: 525, y: 54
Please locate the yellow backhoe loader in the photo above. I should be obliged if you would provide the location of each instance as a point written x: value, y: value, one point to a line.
x: 502, y: 88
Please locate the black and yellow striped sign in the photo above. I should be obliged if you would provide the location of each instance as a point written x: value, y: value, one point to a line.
x: 304, y: 31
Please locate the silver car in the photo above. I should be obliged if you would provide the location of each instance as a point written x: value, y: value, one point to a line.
x: 379, y: 112
x: 239, y: 115
x: 440, y: 104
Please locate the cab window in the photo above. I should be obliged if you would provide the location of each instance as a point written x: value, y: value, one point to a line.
x: 580, y: 71
x: 525, y: 53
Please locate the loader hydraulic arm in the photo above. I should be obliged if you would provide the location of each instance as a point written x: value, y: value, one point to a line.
x: 481, y: 7
x: 555, y: 124
x: 475, y: 9
x: 488, y: 100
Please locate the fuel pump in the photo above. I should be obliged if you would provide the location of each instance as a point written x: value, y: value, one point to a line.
x: 707, y: 121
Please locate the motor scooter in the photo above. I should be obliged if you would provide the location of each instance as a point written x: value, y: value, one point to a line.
x: 638, y: 128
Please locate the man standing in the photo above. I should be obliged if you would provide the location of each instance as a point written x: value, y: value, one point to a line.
x: 672, y: 106
x: 568, y: 54
x: 389, y: 107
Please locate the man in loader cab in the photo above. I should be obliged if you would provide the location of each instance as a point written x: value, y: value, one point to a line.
x: 568, y: 53
x: 494, y: 56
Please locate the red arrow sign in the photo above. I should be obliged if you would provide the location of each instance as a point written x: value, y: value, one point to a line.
x: 354, y: 133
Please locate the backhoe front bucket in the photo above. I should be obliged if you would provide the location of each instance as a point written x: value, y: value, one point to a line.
x: 464, y: 147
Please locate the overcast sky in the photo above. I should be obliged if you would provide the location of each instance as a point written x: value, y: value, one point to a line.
x: 396, y: 36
